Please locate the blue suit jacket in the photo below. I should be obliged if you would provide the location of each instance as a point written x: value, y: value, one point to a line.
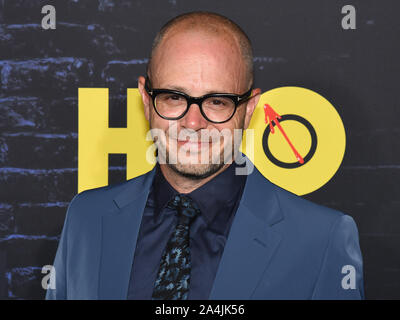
x: 280, y: 246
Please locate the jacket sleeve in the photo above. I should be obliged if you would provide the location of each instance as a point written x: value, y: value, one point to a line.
x: 341, y: 273
x: 60, y: 261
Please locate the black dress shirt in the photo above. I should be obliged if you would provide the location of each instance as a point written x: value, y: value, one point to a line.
x: 218, y: 201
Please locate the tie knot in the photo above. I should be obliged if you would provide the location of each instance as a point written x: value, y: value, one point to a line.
x: 186, y: 207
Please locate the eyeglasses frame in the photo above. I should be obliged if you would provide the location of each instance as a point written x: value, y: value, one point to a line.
x: 237, y: 100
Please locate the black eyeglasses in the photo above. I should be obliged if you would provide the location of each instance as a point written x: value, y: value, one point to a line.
x: 215, y: 107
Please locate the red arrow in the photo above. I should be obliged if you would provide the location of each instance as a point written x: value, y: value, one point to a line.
x: 272, y: 116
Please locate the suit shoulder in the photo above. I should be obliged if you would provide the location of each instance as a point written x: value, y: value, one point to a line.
x: 296, y: 210
x: 300, y: 208
x: 92, y: 201
x: 312, y: 222
x: 292, y: 206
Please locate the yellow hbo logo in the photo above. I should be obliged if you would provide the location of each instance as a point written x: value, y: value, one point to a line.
x: 299, y: 138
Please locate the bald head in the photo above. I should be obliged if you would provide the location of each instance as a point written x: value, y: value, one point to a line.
x: 212, y: 24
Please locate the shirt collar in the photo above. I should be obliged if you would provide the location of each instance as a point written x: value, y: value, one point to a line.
x: 216, y: 198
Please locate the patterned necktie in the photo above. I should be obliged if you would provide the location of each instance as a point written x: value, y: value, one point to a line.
x: 172, y: 282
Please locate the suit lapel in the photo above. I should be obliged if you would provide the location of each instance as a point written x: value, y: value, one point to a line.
x: 120, y: 229
x: 251, y: 242
x: 250, y: 245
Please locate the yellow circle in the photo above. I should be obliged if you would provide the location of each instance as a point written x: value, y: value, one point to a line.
x: 331, y: 139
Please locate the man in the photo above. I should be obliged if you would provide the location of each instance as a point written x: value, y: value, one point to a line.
x: 192, y: 228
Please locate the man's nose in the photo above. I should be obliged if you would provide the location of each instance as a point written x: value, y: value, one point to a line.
x: 193, y: 119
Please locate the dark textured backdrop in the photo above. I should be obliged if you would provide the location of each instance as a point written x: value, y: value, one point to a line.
x: 106, y: 43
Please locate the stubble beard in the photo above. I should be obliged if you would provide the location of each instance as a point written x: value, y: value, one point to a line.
x: 198, y: 171
x: 195, y: 171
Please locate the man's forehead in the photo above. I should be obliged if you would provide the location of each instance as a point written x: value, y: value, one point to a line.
x: 180, y: 32
x: 186, y: 47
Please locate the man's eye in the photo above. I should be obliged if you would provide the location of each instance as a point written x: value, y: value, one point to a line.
x: 175, y: 97
x: 217, y: 102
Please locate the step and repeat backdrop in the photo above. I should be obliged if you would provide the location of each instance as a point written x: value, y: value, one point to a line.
x: 326, y: 128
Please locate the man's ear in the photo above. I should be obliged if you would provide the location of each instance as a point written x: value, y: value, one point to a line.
x: 145, y: 97
x: 251, y: 105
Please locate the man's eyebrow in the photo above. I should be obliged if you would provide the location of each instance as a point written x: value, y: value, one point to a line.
x: 177, y: 88
x: 181, y: 89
